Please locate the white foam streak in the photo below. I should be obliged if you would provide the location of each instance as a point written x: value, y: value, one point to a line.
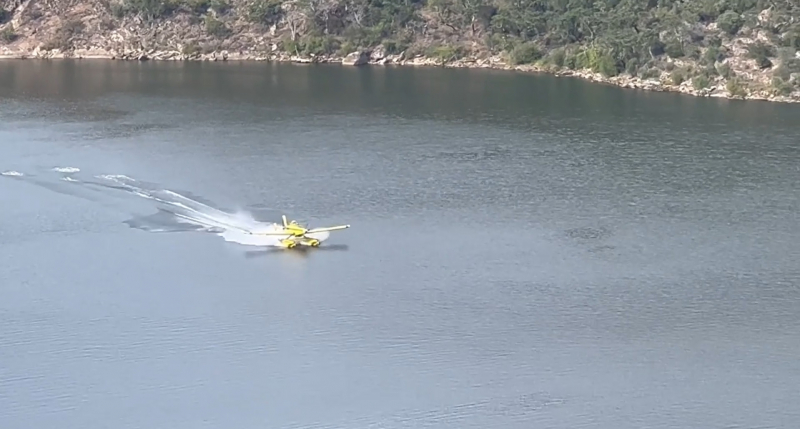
x: 238, y: 227
x: 67, y: 169
x: 119, y: 178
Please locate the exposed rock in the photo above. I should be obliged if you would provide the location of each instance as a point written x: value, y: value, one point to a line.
x: 357, y: 58
x: 377, y: 54
x: 395, y: 59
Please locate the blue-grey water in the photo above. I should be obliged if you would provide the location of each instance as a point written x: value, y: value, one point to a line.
x: 524, y: 251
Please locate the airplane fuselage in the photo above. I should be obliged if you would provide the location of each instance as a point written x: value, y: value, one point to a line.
x: 296, y: 234
x: 295, y: 231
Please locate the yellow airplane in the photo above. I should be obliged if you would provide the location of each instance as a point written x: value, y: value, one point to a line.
x: 297, y: 234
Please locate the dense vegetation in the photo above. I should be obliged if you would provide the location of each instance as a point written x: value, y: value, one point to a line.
x: 607, y: 36
x: 698, y: 40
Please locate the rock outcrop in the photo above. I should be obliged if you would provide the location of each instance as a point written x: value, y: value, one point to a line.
x: 358, y: 58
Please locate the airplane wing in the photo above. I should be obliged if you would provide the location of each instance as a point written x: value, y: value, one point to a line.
x: 326, y: 229
x: 273, y: 229
x: 271, y: 233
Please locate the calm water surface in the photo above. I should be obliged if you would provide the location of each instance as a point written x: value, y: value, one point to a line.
x: 525, y: 251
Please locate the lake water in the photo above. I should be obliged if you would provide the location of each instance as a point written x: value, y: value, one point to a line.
x: 524, y: 251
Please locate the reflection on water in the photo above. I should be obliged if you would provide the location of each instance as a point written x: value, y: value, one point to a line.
x: 457, y: 95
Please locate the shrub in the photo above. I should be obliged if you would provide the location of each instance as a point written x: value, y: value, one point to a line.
x: 678, y: 76
x: 736, y: 88
x: 191, y: 48
x: 267, y: 12
x: 446, y: 53
x: 724, y: 70
x: 150, y: 9
x: 557, y: 57
x: 761, y: 52
x: 700, y: 82
x: 320, y: 45
x: 674, y: 49
x: 782, y: 72
x: 524, y: 53
x: 291, y: 46
x: 220, y: 6
x: 730, y: 22
x: 216, y: 27
x: 8, y: 34
x: 632, y: 66
x: 649, y: 73
x: 597, y: 61
x: 782, y: 87
x: 712, y: 55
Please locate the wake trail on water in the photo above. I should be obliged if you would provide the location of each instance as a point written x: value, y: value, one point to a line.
x: 175, y: 211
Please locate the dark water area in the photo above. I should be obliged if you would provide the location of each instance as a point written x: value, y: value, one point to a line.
x: 525, y: 251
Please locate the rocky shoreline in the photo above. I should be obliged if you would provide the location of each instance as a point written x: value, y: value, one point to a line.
x: 378, y: 57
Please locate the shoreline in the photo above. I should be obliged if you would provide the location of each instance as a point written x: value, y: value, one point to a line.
x: 716, y: 89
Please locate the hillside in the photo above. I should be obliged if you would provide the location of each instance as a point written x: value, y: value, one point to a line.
x: 729, y: 48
